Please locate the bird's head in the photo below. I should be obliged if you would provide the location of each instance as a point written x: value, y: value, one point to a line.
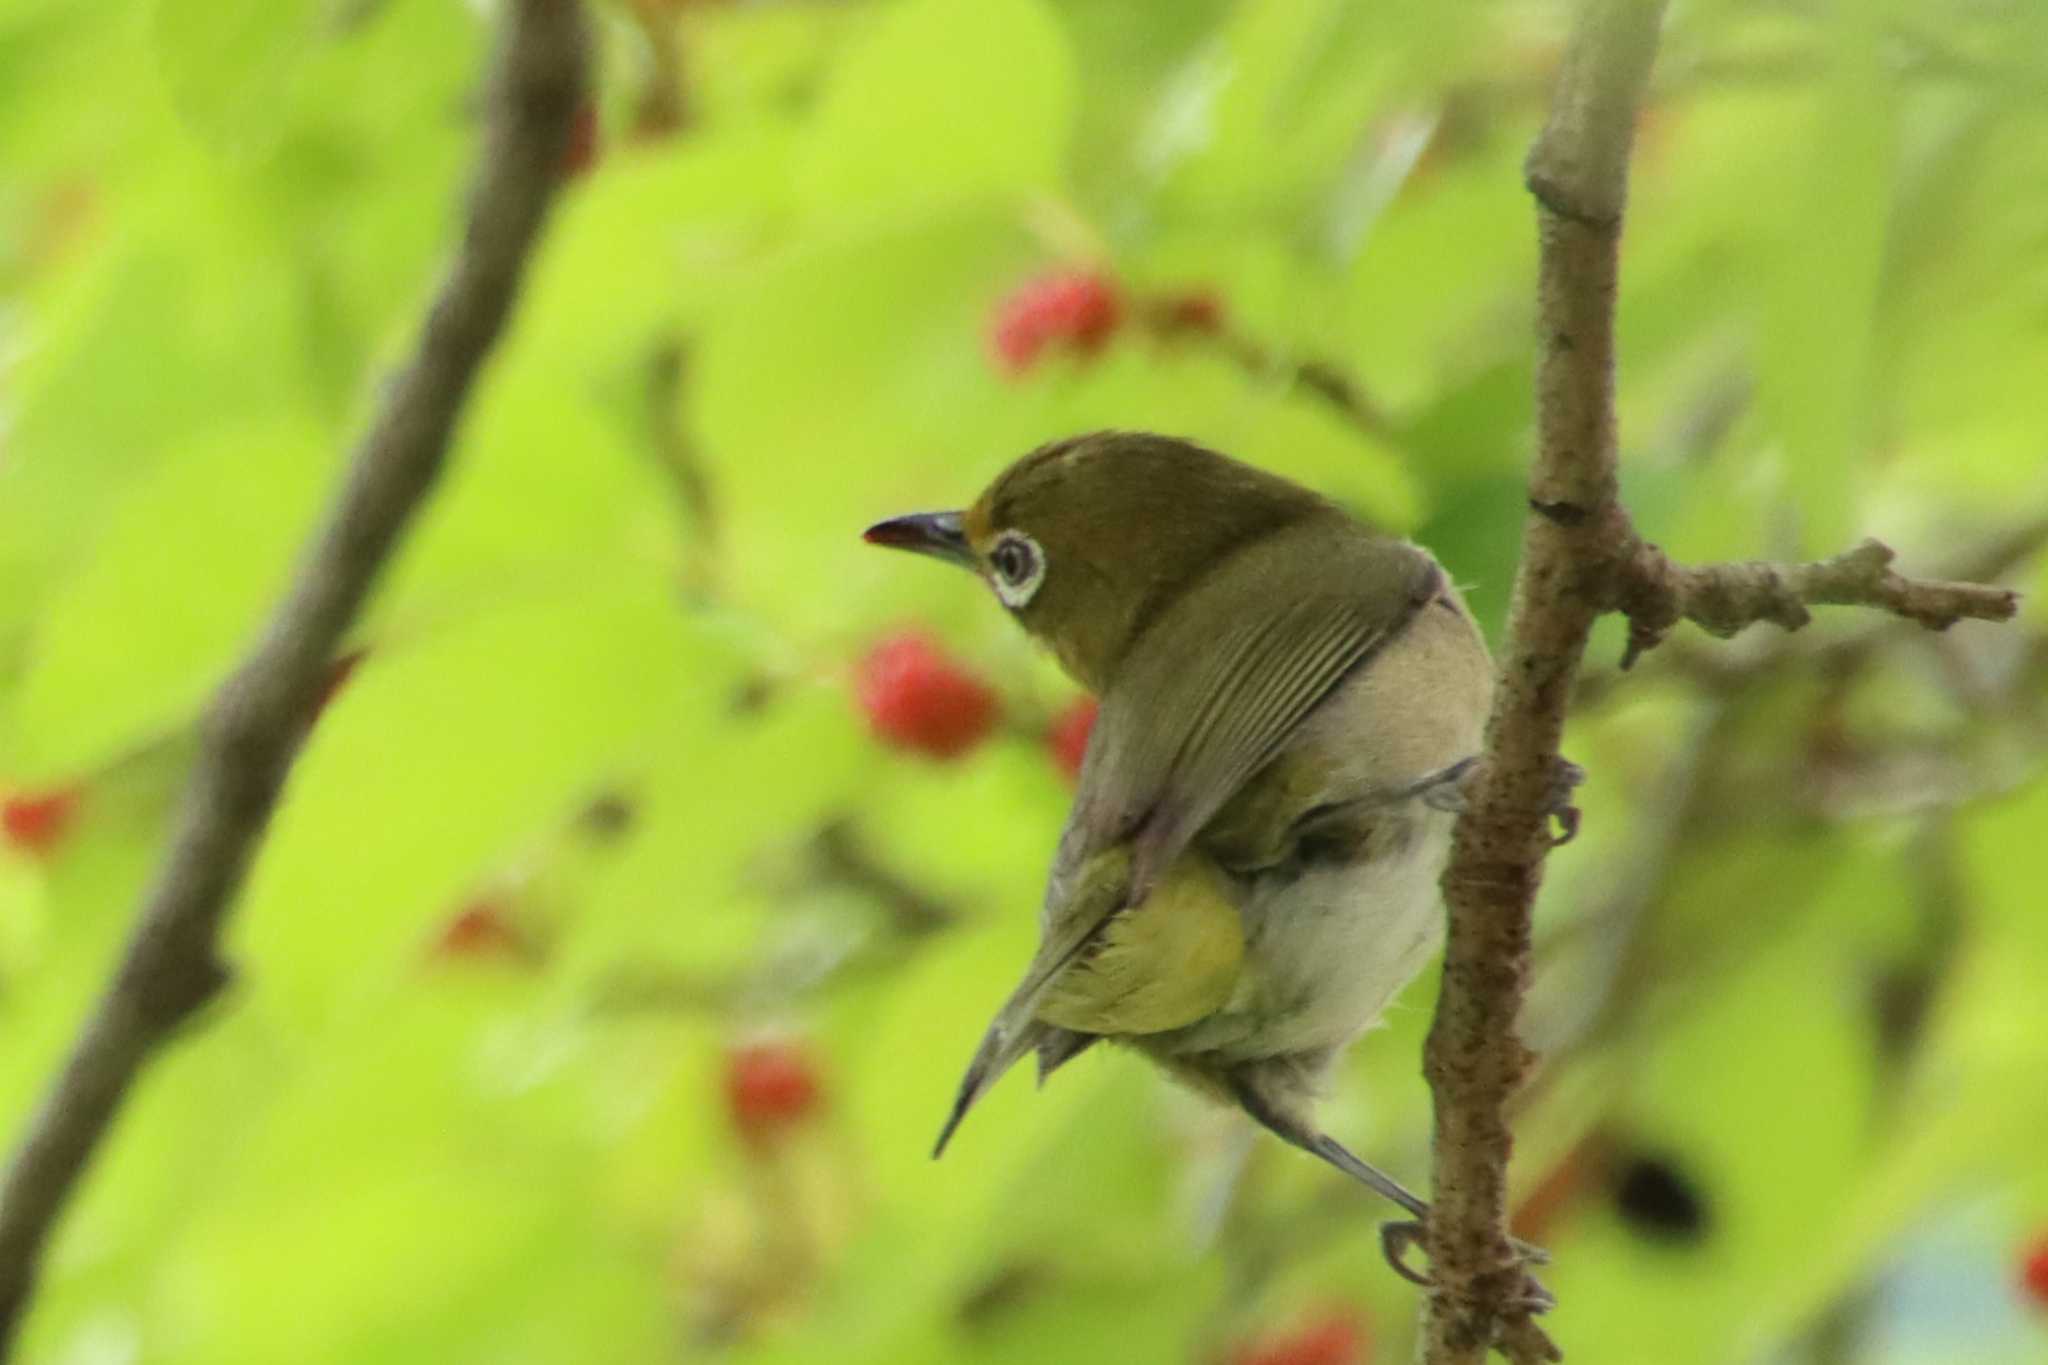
x: 1086, y: 540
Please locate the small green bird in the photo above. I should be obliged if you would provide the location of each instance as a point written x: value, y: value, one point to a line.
x: 1248, y: 875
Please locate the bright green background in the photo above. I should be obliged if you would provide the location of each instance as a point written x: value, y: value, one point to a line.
x: 218, y: 224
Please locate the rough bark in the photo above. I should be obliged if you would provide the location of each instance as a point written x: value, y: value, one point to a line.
x: 1581, y: 556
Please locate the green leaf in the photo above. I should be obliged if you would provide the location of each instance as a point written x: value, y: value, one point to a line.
x: 983, y: 92
x: 233, y: 66
x: 198, y: 552
x: 1972, y: 1108
x: 189, y: 328
x: 1712, y: 1096
x: 1816, y: 367
x: 406, y: 1121
x: 689, y: 891
x: 540, y: 491
x: 364, y: 187
x: 438, y: 759
x: 1263, y: 125
x: 651, y: 245
x: 58, y: 61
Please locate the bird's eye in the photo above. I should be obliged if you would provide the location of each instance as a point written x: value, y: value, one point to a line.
x: 1019, y: 567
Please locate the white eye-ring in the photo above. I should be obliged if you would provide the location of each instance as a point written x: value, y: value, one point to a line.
x: 1018, y: 567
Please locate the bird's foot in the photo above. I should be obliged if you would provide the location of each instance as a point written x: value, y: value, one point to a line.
x: 1444, y: 790
x: 1397, y: 1238
x: 1565, y: 778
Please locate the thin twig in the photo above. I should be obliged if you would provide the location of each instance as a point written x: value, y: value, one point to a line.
x: 1655, y: 593
x: 835, y: 856
x: 1196, y: 319
x: 681, y: 463
x: 1725, y: 672
x: 172, y: 965
x: 845, y: 858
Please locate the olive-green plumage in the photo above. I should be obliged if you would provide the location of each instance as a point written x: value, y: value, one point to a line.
x: 1247, y: 876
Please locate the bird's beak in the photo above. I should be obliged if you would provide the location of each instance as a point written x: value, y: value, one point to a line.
x: 938, y: 534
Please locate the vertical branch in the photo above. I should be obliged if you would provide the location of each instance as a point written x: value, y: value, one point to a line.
x: 1578, y: 174
x: 172, y: 964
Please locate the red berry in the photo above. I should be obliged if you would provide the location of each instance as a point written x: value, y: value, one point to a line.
x: 1068, y: 736
x: 35, y: 822
x: 1337, y: 1337
x: 1076, y: 309
x: 918, y: 699
x: 481, y: 929
x: 769, y: 1086
x: 2034, y: 1271
x: 579, y: 154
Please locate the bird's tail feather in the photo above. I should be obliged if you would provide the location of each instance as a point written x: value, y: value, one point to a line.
x: 1015, y: 1030
x: 1058, y: 1046
x: 1101, y: 891
x: 1000, y: 1049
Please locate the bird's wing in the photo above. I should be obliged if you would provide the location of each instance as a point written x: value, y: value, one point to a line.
x: 1215, y: 690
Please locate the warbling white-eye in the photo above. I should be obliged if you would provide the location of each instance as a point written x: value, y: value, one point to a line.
x: 1248, y: 875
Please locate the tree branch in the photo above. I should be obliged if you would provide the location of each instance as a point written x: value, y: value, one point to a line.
x: 1581, y: 556
x: 172, y: 966
x: 1655, y: 593
x: 1474, y: 1060
x: 1997, y: 555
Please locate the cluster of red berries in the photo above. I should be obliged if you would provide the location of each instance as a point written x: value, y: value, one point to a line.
x: 35, y: 822
x: 1335, y: 1337
x: 1074, y: 310
x: 1078, y: 311
x: 920, y: 699
x: 770, y: 1087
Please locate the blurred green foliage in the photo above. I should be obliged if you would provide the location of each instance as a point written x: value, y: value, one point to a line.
x: 600, y: 706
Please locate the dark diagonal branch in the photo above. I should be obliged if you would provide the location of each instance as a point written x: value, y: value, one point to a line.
x: 1474, y: 1060
x: 1581, y: 556
x: 172, y: 966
